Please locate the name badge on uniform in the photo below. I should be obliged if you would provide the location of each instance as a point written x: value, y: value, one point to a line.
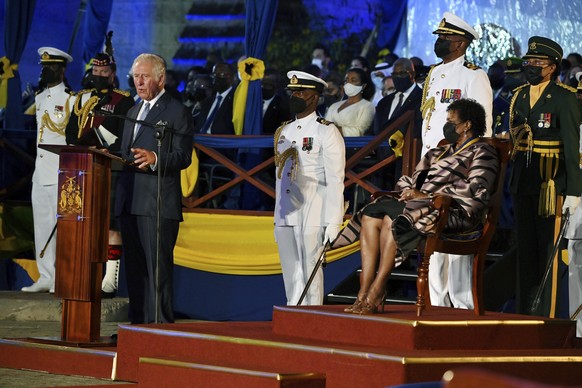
x: 545, y: 120
x: 307, y: 144
x: 450, y: 95
x: 59, y: 111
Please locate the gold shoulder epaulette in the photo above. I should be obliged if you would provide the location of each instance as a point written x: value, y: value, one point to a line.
x: 323, y: 121
x: 83, y: 91
x: 567, y: 87
x: 470, y: 66
x: 285, y: 123
x: 519, y: 88
x: 122, y: 92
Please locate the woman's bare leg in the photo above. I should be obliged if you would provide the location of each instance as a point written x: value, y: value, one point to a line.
x: 369, y: 249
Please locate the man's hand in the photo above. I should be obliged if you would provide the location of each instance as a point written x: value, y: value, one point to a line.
x: 331, y: 232
x: 571, y: 203
x: 143, y: 158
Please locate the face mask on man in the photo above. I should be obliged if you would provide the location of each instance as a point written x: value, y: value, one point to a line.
x: 48, y: 76
x: 317, y: 62
x: 377, y: 81
x: 99, y: 82
x: 297, y: 104
x: 442, y: 47
x: 268, y: 93
x: 401, y: 84
x: 450, y: 133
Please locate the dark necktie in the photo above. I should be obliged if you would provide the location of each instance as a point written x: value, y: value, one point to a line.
x: 210, y: 117
x: 142, y: 116
x: 399, y: 104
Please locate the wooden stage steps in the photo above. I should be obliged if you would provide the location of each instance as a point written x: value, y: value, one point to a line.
x: 323, y: 346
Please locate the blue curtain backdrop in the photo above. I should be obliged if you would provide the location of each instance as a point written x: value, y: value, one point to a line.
x: 260, y: 18
x: 16, y: 28
x: 95, y: 27
x: 393, y: 15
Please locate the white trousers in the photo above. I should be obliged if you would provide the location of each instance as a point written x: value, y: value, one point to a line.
x: 575, y: 281
x: 299, y: 249
x: 44, y: 213
x: 449, y: 280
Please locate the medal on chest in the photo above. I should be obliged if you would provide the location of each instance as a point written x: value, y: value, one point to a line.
x: 545, y: 120
x: 307, y: 144
x: 450, y: 95
x: 59, y: 111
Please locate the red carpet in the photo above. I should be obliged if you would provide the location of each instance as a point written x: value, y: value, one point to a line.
x: 317, y: 346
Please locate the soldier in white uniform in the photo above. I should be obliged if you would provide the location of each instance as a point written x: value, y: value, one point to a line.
x: 52, y: 116
x: 309, y: 207
x: 452, y: 79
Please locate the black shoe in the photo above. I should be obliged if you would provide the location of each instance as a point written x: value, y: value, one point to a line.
x: 107, y: 295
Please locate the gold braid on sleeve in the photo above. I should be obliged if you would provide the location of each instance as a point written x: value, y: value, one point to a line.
x: 47, y: 122
x: 83, y: 112
x: 281, y: 157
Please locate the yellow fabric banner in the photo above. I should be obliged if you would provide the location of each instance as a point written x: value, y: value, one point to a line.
x: 234, y: 245
x: 251, y: 69
x: 189, y: 176
x: 7, y: 72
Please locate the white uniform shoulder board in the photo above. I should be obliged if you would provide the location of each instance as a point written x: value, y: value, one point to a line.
x: 470, y: 66
x: 323, y: 121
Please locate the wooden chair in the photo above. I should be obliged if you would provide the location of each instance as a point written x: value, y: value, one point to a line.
x: 478, y: 245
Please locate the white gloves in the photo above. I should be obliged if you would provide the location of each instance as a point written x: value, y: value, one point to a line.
x: 331, y: 232
x: 571, y: 203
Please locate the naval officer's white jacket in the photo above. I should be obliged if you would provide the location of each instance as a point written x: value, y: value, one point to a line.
x: 446, y: 83
x: 52, y: 115
x: 310, y: 182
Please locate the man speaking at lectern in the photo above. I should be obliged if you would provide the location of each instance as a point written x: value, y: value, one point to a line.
x: 136, y: 200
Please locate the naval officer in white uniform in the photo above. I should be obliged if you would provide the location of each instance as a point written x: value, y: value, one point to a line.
x: 450, y: 80
x: 309, y: 205
x: 52, y: 116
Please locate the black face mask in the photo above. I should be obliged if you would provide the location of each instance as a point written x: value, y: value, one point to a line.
x: 401, y: 84
x: 297, y: 105
x: 268, y: 93
x: 198, y: 94
x: 450, y: 134
x: 442, y: 47
x: 220, y: 84
x: 48, y: 76
x: 496, y: 83
x: 533, y: 74
x: 98, y: 82
x: 328, y: 100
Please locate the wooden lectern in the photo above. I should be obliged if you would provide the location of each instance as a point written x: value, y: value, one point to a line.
x: 82, y: 238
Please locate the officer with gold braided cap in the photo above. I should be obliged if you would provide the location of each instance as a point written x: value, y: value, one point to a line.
x: 544, y: 125
x: 52, y: 104
x: 90, y: 125
x: 309, y: 201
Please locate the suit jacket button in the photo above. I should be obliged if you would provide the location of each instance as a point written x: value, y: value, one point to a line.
x: 287, y: 191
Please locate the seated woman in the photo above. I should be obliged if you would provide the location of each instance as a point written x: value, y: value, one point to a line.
x: 391, y: 228
x: 354, y: 116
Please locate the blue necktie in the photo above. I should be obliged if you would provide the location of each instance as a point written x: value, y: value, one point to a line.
x: 210, y: 117
x: 142, y: 116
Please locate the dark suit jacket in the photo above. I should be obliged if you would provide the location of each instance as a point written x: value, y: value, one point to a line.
x: 412, y: 102
x: 277, y: 112
x: 136, y: 190
x: 222, y: 123
x: 558, y: 107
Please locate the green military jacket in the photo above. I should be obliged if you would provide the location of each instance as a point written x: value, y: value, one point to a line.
x: 556, y: 116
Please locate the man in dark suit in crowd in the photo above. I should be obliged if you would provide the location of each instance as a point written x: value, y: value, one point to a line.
x: 136, y: 202
x: 275, y: 102
x: 217, y: 111
x: 407, y: 97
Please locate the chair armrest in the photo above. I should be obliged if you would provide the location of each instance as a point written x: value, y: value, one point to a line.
x: 378, y: 194
x: 442, y: 203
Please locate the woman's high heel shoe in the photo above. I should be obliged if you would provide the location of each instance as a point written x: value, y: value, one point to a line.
x: 369, y: 308
x: 356, y: 306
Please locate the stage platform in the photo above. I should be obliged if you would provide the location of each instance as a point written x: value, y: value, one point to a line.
x: 320, y: 346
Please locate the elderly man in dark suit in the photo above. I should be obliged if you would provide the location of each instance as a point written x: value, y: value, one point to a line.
x: 149, y: 277
x: 407, y: 97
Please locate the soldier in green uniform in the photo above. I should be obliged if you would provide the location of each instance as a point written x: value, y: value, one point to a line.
x: 544, y: 126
